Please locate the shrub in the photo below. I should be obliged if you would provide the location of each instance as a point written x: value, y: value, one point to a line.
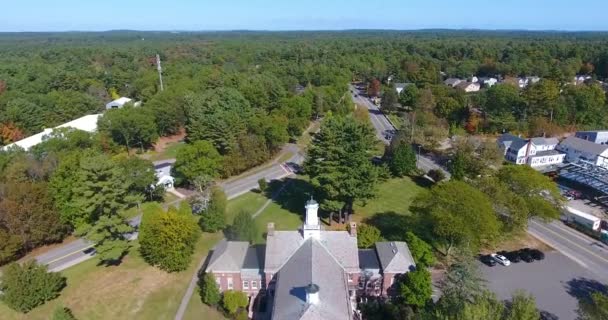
x: 29, y: 285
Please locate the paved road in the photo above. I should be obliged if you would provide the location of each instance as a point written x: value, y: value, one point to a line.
x: 586, y: 251
x: 382, y: 124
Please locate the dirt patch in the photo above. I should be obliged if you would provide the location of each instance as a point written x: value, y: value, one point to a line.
x: 163, y: 142
x: 526, y: 240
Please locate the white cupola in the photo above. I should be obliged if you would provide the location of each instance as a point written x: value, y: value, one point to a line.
x: 311, y: 227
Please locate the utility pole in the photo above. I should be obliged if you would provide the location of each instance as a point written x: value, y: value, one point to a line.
x: 160, y: 72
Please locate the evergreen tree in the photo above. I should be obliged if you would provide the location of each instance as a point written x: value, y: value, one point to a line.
x: 415, y: 288
x: 213, y: 218
x: 210, y: 293
x: 338, y: 161
x: 109, y: 235
x: 367, y: 235
x: 421, y: 251
x: 243, y: 228
x: 27, y: 286
x: 403, y: 160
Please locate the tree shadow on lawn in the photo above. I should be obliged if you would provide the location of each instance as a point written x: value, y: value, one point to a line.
x: 295, y: 192
x: 393, y: 226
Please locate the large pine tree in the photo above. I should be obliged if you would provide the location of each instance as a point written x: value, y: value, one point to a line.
x: 339, y: 161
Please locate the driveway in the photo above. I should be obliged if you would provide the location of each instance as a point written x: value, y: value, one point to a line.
x: 556, y: 282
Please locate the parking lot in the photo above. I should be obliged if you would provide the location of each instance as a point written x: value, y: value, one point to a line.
x: 557, y: 283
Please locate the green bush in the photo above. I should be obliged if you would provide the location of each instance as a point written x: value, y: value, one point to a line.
x: 29, y: 285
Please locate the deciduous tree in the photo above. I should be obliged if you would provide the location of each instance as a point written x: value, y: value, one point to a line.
x: 210, y: 293
x: 415, y: 288
x: 198, y: 159
x: 232, y: 301
x: 167, y: 239
x: 421, y: 251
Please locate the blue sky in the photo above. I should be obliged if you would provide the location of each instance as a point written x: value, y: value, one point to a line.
x: 99, y: 15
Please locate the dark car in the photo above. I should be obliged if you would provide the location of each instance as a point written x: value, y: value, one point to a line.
x: 537, y: 254
x: 526, y: 255
x: 513, y: 256
x: 487, y: 260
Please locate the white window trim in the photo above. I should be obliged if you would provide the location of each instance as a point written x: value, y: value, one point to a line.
x: 230, y: 284
x: 254, y: 284
x: 245, y: 285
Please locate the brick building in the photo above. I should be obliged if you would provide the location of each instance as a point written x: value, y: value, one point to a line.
x: 310, y: 273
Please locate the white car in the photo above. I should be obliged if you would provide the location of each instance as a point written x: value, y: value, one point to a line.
x: 501, y: 259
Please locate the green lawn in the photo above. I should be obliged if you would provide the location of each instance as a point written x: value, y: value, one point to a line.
x: 170, y: 152
x: 132, y: 290
x: 394, y: 195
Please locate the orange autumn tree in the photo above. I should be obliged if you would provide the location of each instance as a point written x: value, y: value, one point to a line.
x: 10, y: 133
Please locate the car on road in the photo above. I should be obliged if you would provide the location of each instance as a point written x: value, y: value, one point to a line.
x: 487, y: 260
x: 501, y: 259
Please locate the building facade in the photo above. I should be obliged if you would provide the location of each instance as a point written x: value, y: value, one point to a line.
x: 310, y: 273
x: 577, y: 149
x: 535, y: 152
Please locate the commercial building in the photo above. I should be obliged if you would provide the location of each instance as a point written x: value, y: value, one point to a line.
x: 599, y: 137
x: 580, y: 150
x: 535, y: 152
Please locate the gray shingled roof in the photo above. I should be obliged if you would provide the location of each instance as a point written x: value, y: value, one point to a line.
x: 311, y: 264
x: 583, y: 145
x: 451, y: 81
x: 544, y: 141
x: 229, y: 256
x: 395, y: 257
x: 368, y: 259
x: 282, y: 245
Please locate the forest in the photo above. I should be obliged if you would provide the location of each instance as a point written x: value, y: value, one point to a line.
x: 240, y: 96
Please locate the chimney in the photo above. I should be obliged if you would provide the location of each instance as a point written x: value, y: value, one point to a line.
x: 312, y: 294
x: 353, y: 229
x: 270, y: 229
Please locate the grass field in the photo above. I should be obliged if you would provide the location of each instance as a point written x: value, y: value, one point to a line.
x: 170, y: 152
x: 394, y: 195
x: 132, y: 290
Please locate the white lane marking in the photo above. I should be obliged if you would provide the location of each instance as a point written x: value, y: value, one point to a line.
x: 562, y: 251
x: 573, y: 243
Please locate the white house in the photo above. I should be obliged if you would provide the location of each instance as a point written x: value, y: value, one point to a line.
x: 468, y: 86
x: 120, y: 102
x: 87, y: 123
x: 535, y: 152
x: 487, y: 82
x: 580, y: 79
x: 577, y: 149
x: 474, y: 79
x: 399, y: 87
x: 163, y: 173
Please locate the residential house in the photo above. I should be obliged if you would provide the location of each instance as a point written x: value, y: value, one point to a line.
x: 162, y: 170
x: 399, y: 87
x: 580, y: 79
x: 532, y: 80
x: 535, y: 152
x: 120, y: 102
x: 87, y: 123
x: 452, y: 82
x: 310, y: 273
x: 468, y: 86
x: 474, y: 79
x: 599, y: 136
x: 487, y: 82
x: 577, y: 149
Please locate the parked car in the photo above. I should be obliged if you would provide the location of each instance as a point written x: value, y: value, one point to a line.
x: 526, y: 255
x: 487, y: 260
x: 501, y: 259
x: 537, y: 254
